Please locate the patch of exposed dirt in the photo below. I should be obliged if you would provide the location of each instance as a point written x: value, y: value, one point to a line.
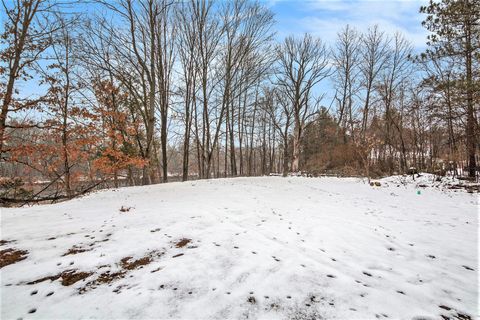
x: 72, y: 277
x: 183, y: 242
x: 125, y: 209
x: 127, y: 264
x: 108, y: 276
x: 4, y: 242
x: 104, y: 278
x: 69, y: 277
x: 75, y: 250
x: 11, y: 256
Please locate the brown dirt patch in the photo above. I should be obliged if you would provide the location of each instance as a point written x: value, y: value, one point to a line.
x: 72, y: 277
x: 75, y: 250
x: 108, y: 276
x: 125, y: 209
x: 69, y: 277
x: 51, y: 278
x: 127, y: 264
x: 104, y: 278
x: 183, y: 242
x: 10, y: 256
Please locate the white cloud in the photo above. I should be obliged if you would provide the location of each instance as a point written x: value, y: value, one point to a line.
x: 325, y: 18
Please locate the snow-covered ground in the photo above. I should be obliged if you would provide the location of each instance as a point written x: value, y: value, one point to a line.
x: 269, y: 248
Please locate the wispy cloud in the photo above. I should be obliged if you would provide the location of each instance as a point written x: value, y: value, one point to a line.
x: 325, y: 18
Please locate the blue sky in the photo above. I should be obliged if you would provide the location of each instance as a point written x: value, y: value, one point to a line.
x: 324, y: 18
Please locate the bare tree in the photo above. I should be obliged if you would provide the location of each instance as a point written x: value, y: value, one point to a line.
x: 346, y: 60
x: 187, y: 50
x: 394, y: 77
x: 303, y: 63
x: 374, y: 55
x: 165, y: 58
x: 27, y: 29
x: 282, y: 113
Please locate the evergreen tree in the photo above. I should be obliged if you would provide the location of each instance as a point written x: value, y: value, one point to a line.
x: 455, y: 33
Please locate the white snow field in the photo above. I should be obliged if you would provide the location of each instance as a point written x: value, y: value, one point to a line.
x: 260, y: 248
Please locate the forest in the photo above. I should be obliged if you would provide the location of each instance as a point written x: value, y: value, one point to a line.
x: 103, y: 94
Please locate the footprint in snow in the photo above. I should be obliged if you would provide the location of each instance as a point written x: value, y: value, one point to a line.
x: 468, y: 268
x: 34, y: 292
x: 33, y: 310
x: 431, y: 256
x: 367, y: 274
x: 49, y: 294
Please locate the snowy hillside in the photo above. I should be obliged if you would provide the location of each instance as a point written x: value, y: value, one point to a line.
x: 270, y: 248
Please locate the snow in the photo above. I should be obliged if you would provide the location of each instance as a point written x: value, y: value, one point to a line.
x: 303, y: 248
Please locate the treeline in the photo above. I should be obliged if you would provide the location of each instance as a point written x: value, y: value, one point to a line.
x: 144, y: 91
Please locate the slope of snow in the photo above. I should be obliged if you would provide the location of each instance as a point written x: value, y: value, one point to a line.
x: 269, y: 248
